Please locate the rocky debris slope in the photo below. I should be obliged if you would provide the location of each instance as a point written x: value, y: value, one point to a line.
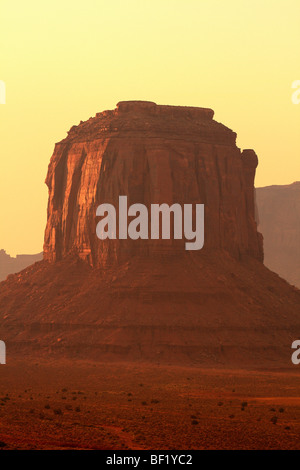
x: 208, y: 310
x: 11, y: 265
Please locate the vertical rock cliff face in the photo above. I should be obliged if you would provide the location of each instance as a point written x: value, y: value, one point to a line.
x: 151, y: 154
x: 279, y: 221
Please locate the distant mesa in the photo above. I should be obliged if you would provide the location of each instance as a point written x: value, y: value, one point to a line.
x: 11, y: 265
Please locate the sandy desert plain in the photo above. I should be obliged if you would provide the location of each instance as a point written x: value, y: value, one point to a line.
x: 138, y: 406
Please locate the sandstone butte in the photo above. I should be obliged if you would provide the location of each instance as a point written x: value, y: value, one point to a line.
x: 151, y: 154
x: 142, y: 299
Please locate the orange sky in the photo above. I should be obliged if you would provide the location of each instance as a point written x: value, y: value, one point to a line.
x: 63, y: 61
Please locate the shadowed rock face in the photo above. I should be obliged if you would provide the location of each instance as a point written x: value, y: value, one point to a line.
x: 279, y: 222
x: 151, y: 154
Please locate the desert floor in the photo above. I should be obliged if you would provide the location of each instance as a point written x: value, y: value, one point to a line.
x: 135, y: 406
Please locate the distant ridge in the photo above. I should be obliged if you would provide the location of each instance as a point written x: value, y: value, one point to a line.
x: 11, y: 265
x: 278, y: 220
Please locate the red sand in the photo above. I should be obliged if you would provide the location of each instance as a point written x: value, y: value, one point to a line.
x: 135, y: 406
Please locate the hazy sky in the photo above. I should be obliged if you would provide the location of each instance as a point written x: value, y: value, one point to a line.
x: 64, y: 60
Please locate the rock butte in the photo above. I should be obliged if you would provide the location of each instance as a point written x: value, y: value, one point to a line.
x: 151, y: 154
x: 136, y: 300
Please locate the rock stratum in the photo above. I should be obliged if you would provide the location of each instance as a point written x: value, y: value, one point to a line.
x: 279, y: 221
x: 150, y: 300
